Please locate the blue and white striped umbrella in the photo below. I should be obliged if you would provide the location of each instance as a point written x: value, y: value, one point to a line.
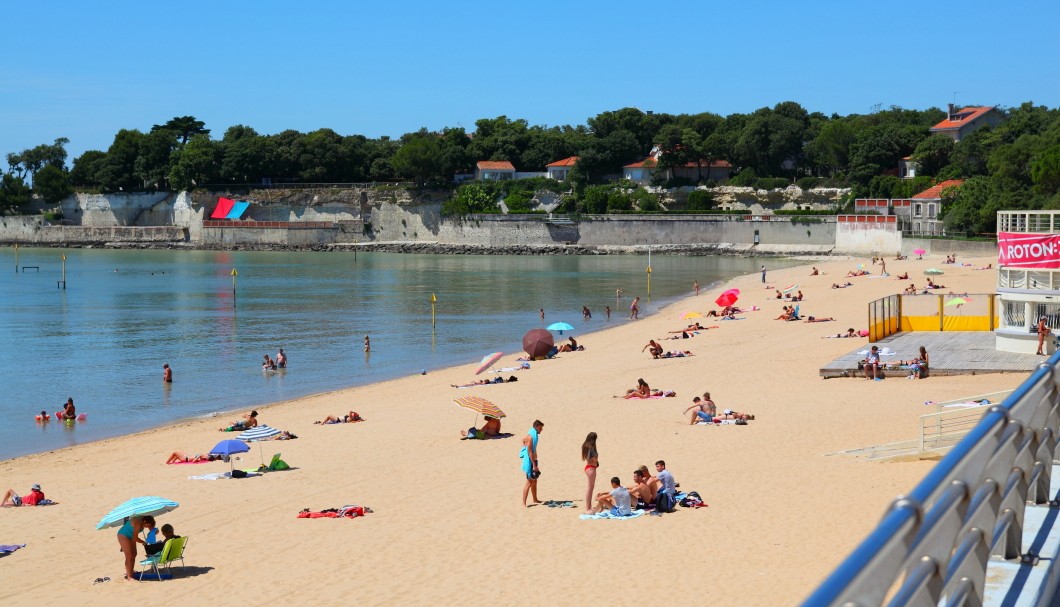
x: 261, y: 432
x: 137, y: 506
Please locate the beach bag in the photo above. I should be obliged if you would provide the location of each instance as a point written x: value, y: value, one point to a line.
x: 664, y: 502
x: 239, y: 474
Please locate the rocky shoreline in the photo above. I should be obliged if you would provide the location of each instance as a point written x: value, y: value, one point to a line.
x: 432, y: 248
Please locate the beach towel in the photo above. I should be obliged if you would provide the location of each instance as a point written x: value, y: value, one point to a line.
x: 484, y: 437
x: 344, y: 512
x: 527, y: 465
x: 214, y: 476
x: 180, y: 463
x: 607, y: 515
x: 7, y: 548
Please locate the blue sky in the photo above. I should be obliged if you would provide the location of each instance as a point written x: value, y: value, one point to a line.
x: 84, y: 70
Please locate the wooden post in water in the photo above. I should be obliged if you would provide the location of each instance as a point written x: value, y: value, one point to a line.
x: 649, y: 273
x: 434, y: 300
x: 234, y: 274
x: 63, y: 281
x: 16, y: 258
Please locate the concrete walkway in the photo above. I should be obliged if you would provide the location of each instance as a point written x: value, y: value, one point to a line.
x: 950, y: 353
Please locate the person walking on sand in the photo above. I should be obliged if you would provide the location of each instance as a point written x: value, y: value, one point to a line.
x: 167, y: 374
x: 1043, y: 331
x: 592, y: 461
x: 634, y: 309
x: 529, y: 459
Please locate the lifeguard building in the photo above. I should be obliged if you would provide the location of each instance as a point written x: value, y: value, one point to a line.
x: 1028, y: 278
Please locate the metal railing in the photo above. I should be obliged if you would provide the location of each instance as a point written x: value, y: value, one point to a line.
x: 884, y: 316
x: 933, y: 545
x: 945, y: 427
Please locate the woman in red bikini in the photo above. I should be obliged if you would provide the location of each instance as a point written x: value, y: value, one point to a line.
x: 592, y: 462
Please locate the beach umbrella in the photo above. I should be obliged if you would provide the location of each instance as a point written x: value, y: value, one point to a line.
x: 228, y: 448
x: 560, y: 326
x: 726, y: 299
x: 956, y: 301
x: 537, y: 343
x: 691, y: 315
x: 261, y: 432
x: 919, y: 251
x: 933, y: 272
x: 488, y: 361
x: 137, y: 506
x: 790, y: 288
x: 479, y: 405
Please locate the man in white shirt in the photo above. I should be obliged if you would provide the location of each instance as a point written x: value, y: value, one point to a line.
x: 617, y: 501
x: 667, y: 487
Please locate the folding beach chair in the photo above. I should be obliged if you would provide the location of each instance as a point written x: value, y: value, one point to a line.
x: 172, y: 551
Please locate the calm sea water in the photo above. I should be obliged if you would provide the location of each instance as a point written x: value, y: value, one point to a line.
x: 104, y: 338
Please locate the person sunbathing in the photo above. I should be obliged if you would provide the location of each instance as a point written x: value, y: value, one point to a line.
x: 655, y: 349
x: 249, y: 421
x: 730, y: 414
x: 850, y: 333
x: 641, y: 391
x: 787, y: 315
x: 988, y: 266
x: 900, y: 257
x: 858, y: 273
x: 350, y: 417
x: 179, y: 457
x: 676, y: 354
x: 842, y: 286
x: 285, y: 435
x: 481, y: 382
x: 904, y: 276
x: 815, y: 319
x: 492, y: 427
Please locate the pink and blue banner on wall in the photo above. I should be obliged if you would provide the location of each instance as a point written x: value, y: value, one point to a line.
x: 1019, y: 250
x: 229, y: 209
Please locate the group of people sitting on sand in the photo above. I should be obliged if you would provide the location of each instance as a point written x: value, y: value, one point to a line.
x: 789, y: 313
x: 643, y: 494
x: 644, y: 391
x: 796, y: 297
x: 705, y: 411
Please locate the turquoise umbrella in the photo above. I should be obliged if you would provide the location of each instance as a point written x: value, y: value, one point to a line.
x: 560, y: 326
x: 137, y: 506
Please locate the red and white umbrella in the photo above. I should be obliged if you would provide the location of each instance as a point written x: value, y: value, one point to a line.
x: 488, y: 361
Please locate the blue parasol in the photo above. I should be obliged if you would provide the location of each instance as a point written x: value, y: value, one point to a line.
x: 137, y: 506
x: 560, y: 326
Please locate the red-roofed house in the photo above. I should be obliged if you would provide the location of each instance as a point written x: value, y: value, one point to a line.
x: 642, y: 172
x: 561, y: 168
x: 907, y: 167
x: 495, y: 170
x: 921, y: 212
x: 961, y: 123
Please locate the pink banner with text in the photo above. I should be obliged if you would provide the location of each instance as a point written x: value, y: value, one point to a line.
x: 1028, y: 250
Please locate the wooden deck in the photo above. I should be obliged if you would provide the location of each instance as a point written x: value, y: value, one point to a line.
x: 950, y: 352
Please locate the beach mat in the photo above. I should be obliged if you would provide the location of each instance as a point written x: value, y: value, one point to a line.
x: 608, y: 515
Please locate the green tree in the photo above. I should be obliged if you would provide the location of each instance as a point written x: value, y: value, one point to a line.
x: 86, y: 168
x: 419, y: 158
x: 184, y: 127
x: 14, y: 193
x: 118, y: 170
x: 151, y: 166
x: 1045, y: 170
x: 933, y: 153
x: 52, y: 184
x: 700, y: 200
x: 197, y: 163
x: 28, y: 162
x: 247, y: 157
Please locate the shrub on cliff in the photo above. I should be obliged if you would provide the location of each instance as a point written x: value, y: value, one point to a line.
x: 476, y: 197
x: 700, y: 200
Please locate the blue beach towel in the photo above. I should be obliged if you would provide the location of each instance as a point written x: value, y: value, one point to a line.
x: 528, y: 466
x: 607, y: 514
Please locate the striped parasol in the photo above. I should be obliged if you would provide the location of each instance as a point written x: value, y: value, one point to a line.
x: 137, y: 506
x: 261, y: 432
x: 790, y: 288
x: 479, y: 405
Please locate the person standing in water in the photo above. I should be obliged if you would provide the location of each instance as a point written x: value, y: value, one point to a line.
x: 367, y: 344
x: 281, y: 359
x: 167, y: 374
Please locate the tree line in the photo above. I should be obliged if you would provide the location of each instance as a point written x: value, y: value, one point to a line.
x: 1015, y: 165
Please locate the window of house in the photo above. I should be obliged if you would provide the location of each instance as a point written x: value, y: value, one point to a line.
x: 931, y: 211
x: 917, y: 210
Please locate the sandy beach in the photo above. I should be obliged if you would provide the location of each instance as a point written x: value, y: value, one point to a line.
x: 448, y: 523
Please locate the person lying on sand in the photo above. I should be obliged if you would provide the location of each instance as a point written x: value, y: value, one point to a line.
x: 850, y: 333
x: 179, y: 457
x: 730, y: 414
x: 486, y: 382
x: 842, y: 286
x: 492, y: 427
x: 858, y: 273
x: 988, y: 266
x: 350, y: 417
x: 676, y: 354
x: 815, y: 319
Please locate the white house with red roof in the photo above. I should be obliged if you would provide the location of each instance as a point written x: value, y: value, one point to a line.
x: 643, y: 171
x: 560, y: 169
x: 961, y: 123
x: 494, y: 170
x: 921, y: 212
